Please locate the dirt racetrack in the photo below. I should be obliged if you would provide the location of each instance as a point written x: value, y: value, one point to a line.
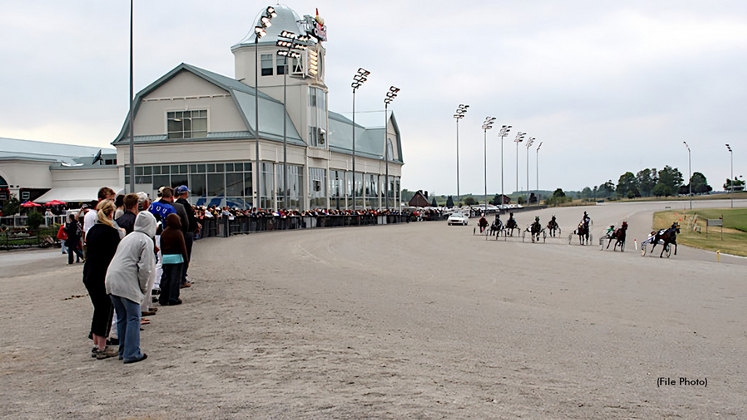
x: 421, y: 320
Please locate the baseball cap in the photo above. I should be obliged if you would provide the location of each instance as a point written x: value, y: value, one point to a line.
x: 182, y: 189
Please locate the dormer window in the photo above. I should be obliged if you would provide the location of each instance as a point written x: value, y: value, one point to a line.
x: 187, y: 124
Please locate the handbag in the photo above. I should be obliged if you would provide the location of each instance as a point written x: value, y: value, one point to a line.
x: 61, y: 234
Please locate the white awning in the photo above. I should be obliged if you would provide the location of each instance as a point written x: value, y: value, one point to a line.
x: 72, y: 194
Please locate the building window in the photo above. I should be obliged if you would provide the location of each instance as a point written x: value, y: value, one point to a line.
x: 266, y: 64
x: 295, y: 186
x: 317, y: 117
x: 187, y: 124
x: 281, y: 65
x: 318, y: 187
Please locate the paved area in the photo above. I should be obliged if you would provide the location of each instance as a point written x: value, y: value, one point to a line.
x: 421, y: 320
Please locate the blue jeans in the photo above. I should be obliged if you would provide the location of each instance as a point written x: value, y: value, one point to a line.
x: 128, y: 328
x: 62, y: 245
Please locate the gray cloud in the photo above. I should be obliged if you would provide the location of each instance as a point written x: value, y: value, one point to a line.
x: 607, y: 87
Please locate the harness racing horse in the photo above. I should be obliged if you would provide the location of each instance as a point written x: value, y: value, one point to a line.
x: 583, y: 232
x: 552, y: 226
x: 535, y: 231
x: 619, y: 235
x: 496, y: 227
x: 668, y: 236
x: 510, y: 226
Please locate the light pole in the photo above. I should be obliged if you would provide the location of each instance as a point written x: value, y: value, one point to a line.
x: 132, y: 138
x: 529, y: 144
x: 690, y: 174
x: 519, y: 139
x: 358, y: 80
x: 293, y: 43
x: 731, y: 179
x: 502, y: 134
x: 461, y: 110
x: 487, y: 125
x: 389, y: 98
x: 538, y: 172
x: 259, y: 32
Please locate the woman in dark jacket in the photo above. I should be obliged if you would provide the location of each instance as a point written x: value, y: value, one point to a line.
x: 175, y: 259
x: 101, y: 240
x: 73, y: 230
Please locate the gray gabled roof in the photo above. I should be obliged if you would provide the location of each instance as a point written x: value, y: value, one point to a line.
x: 271, y: 111
x: 17, y: 149
x: 369, y: 142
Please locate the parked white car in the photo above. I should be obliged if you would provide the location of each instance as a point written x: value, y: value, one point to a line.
x: 458, y: 218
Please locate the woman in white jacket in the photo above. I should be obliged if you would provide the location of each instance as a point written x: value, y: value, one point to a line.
x: 126, y: 281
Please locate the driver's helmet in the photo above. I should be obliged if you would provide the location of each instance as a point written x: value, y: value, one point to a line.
x: 536, y: 219
x: 512, y: 215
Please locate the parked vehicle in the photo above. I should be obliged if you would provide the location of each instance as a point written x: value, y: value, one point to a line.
x: 458, y: 218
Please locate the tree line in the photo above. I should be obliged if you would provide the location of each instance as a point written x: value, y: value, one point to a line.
x: 649, y: 182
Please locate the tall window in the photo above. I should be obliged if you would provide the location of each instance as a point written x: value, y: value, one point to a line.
x: 281, y: 64
x: 266, y: 64
x: 295, y: 186
x: 318, y: 187
x: 187, y: 124
x: 317, y: 113
x: 267, y: 190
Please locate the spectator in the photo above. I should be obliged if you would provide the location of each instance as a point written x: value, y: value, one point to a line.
x: 73, y: 232
x: 119, y: 202
x: 126, y: 280
x: 175, y: 258
x: 62, y: 236
x: 194, y: 226
x: 103, y: 239
x: 127, y: 220
x: 105, y: 193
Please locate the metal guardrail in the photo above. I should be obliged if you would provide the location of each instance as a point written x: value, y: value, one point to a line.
x: 223, y: 227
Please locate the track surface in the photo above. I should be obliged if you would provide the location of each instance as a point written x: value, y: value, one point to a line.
x: 421, y: 320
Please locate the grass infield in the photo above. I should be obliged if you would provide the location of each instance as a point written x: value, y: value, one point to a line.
x: 735, y: 229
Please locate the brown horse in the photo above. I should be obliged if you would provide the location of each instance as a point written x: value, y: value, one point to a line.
x: 668, y: 236
x: 583, y: 232
x: 619, y: 235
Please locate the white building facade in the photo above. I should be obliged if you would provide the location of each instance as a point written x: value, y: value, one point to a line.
x: 197, y: 128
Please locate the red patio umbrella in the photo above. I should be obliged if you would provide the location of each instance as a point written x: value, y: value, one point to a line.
x: 55, y: 203
x: 30, y: 204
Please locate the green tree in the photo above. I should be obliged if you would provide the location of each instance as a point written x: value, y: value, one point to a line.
x: 558, y: 193
x: 627, y: 182
x: 606, y: 190
x: 662, y: 189
x: 670, y: 177
x: 700, y: 184
x: 407, y: 195
x: 434, y: 203
x: 496, y: 201
x: 34, y: 220
x: 450, y: 202
x: 646, y: 180
x: 11, y: 206
x: 586, y: 193
x: 470, y: 201
x: 738, y: 184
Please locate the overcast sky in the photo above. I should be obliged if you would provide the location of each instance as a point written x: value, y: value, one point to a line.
x: 608, y: 87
